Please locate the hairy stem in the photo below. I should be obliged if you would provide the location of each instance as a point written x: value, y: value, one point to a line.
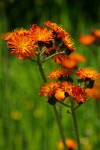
x: 60, y: 126
x: 52, y: 56
x: 75, y: 124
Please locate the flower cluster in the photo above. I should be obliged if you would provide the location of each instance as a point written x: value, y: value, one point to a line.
x: 68, y: 82
x: 41, y: 43
x: 25, y: 42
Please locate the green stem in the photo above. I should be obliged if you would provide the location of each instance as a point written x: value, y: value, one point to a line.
x: 41, y: 69
x: 60, y: 126
x: 63, y: 103
x: 54, y: 107
x: 52, y: 56
x: 77, y: 106
x: 75, y: 124
x: 42, y: 51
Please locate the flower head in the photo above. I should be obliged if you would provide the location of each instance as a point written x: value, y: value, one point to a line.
x: 95, y: 91
x: 61, y: 35
x: 49, y: 89
x: 69, y: 63
x: 65, y: 61
x: 71, y: 144
x: 79, y: 94
x: 86, y: 39
x: 87, y: 73
x: 7, y: 36
x: 68, y: 42
x: 96, y: 33
x: 41, y: 34
x: 54, y: 26
x: 67, y: 87
x: 22, y: 45
x: 59, y: 73
x: 77, y: 57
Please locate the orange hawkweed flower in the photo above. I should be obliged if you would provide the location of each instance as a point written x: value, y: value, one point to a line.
x: 54, y: 26
x: 49, y: 89
x: 60, y: 33
x: 6, y: 36
x: 59, y: 73
x: 41, y: 34
x: 65, y: 61
x: 67, y: 87
x: 79, y: 94
x: 22, y: 45
x: 87, y: 73
x: 96, y: 32
x: 71, y: 144
x: 68, y: 42
x: 86, y: 39
x: 77, y: 57
x: 97, y: 83
x: 69, y: 63
x: 95, y: 91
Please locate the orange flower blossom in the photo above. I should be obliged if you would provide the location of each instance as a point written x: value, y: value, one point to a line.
x: 96, y: 33
x: 79, y: 94
x: 60, y: 33
x: 22, y: 45
x: 59, y: 73
x: 75, y: 92
x: 87, y: 73
x: 77, y: 57
x: 40, y: 34
x: 69, y: 63
x: 71, y: 144
x: 49, y: 88
x: 6, y: 36
x: 67, y: 87
x: 95, y: 91
x: 86, y: 39
x: 65, y: 61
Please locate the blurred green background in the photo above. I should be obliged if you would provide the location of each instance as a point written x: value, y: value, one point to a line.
x: 27, y: 121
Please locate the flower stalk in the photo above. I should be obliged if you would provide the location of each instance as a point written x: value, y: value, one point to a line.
x: 51, y: 56
x: 60, y: 126
x: 73, y: 113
